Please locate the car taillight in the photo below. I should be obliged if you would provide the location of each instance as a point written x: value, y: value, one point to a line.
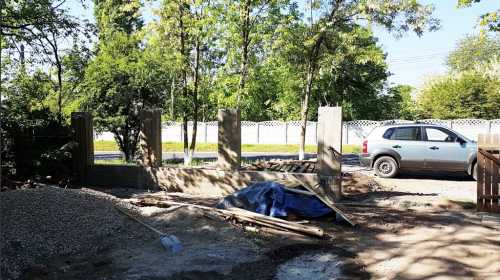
x: 365, y: 147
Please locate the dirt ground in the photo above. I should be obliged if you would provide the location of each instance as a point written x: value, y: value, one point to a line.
x: 413, y: 226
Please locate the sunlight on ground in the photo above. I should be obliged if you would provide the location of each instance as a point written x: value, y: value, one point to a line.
x: 439, y: 252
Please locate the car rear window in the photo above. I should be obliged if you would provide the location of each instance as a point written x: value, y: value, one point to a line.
x: 409, y: 133
x: 388, y: 133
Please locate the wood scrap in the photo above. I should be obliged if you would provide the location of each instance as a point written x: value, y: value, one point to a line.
x: 326, y: 202
x: 240, y: 214
x: 275, y: 221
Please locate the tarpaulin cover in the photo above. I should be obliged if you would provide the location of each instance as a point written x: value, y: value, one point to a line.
x: 272, y: 199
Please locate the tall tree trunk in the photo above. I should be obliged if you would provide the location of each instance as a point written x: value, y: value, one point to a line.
x: 184, y: 88
x: 172, y: 98
x: 311, y: 69
x: 245, y: 33
x: 195, y: 99
x: 305, y: 110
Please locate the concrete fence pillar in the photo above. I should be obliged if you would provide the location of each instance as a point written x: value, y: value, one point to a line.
x: 285, y: 128
x: 329, y: 163
x: 83, y: 136
x: 150, y: 138
x: 487, y: 127
x: 257, y: 127
x: 229, y: 143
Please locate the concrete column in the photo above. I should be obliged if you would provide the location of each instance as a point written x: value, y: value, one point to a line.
x: 83, y: 135
x: 205, y: 126
x: 285, y: 140
x: 257, y: 133
x: 330, y: 151
x: 150, y: 137
x: 229, y: 142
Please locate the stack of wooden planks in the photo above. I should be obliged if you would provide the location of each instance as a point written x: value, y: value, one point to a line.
x: 291, y: 166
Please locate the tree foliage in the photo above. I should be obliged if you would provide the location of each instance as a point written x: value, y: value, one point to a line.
x: 120, y: 81
x: 473, y: 50
x: 471, y: 93
x: 489, y: 21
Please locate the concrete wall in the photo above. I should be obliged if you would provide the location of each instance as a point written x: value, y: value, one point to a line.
x: 188, y: 180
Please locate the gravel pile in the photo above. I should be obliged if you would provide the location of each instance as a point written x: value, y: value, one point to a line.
x: 37, y: 224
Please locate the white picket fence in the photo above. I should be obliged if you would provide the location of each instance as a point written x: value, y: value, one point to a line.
x: 274, y: 132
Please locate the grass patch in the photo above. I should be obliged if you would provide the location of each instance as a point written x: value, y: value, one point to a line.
x: 466, y: 204
x: 115, y: 161
x: 212, y: 147
x: 105, y: 146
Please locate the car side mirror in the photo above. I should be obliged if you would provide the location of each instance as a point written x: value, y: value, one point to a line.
x: 460, y: 140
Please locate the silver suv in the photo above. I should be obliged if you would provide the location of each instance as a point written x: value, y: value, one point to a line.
x: 392, y: 147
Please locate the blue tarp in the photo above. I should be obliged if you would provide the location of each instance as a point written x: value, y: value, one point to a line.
x: 272, y: 199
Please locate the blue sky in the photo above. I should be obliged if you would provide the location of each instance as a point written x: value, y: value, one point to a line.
x: 411, y: 57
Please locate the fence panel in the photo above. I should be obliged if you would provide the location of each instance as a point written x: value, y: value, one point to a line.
x: 274, y: 132
x: 488, y: 173
x: 469, y: 128
x: 249, y: 132
x: 358, y: 130
x: 271, y: 132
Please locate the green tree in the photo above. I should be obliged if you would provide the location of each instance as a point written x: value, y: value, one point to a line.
x: 121, y: 80
x: 473, y: 50
x: 489, y: 21
x: 31, y: 135
x: 180, y: 32
x: 462, y: 94
x: 334, y: 16
x: 113, y: 16
x: 245, y: 27
x: 398, y: 104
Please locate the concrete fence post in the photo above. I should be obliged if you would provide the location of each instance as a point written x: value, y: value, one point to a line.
x: 257, y: 127
x: 83, y: 136
x: 229, y: 142
x: 205, y: 126
x: 450, y: 124
x: 150, y: 138
x: 329, y: 163
x: 285, y: 128
x: 487, y: 127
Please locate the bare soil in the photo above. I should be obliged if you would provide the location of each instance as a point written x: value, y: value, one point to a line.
x: 412, y: 226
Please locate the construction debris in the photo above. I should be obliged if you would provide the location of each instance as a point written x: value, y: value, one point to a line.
x: 239, y: 214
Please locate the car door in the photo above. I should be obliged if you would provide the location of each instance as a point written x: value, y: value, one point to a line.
x: 444, y: 151
x: 407, y: 142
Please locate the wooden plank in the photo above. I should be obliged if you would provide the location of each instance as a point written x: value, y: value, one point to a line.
x: 487, y: 183
x: 328, y: 203
x: 240, y: 213
x: 304, y: 167
x: 495, y: 203
x: 480, y: 175
x: 288, y: 168
x: 295, y: 168
x: 489, y: 196
x: 275, y: 221
x: 278, y: 168
x: 489, y: 156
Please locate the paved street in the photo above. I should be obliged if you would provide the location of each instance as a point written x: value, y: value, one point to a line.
x: 350, y: 162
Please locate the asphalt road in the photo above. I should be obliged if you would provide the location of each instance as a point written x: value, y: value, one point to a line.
x: 350, y: 162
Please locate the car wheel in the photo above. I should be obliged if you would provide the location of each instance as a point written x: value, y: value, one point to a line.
x: 386, y: 167
x: 474, y: 171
